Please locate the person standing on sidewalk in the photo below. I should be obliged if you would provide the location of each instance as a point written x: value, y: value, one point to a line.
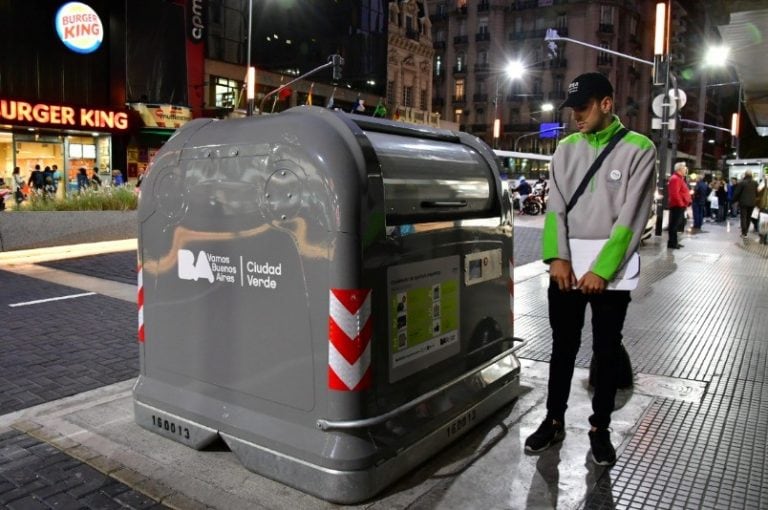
x: 590, y: 241
x: 679, y: 198
x: 700, y: 200
x: 745, y: 195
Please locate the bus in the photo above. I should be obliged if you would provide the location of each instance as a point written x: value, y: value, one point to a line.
x: 515, y: 164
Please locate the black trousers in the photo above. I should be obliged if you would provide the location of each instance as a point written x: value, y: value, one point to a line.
x: 566, y: 317
x: 676, y: 218
x: 746, y: 219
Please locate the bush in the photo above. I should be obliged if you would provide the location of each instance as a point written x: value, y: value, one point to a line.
x: 121, y: 198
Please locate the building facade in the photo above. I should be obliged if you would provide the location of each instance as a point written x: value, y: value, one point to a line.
x: 410, y: 57
x: 70, y: 72
x: 288, y: 40
x: 475, y: 39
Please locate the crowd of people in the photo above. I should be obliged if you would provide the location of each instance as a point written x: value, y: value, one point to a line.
x: 714, y: 199
x: 45, y: 182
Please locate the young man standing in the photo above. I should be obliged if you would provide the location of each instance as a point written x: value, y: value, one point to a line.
x: 590, y: 245
x: 678, y: 200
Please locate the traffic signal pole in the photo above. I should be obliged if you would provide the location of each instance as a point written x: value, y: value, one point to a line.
x: 334, y: 60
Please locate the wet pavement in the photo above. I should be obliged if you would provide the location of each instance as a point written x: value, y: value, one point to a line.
x: 691, y: 433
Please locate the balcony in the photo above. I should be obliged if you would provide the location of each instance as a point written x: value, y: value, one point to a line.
x: 519, y: 5
x: 483, y: 68
x: 604, y: 61
x: 438, y: 17
x: 438, y: 45
x: 480, y: 98
x: 459, y: 70
x: 484, y: 6
x: 530, y: 34
x: 482, y: 36
x: 460, y: 39
x: 412, y: 34
x: 558, y: 63
x: 605, y: 28
x: 459, y: 99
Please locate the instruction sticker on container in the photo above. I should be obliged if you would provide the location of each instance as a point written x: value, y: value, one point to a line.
x: 423, y: 314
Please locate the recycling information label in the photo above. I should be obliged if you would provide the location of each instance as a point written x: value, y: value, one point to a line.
x: 423, y: 314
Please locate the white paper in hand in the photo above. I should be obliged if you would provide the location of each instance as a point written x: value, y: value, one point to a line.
x: 585, y: 251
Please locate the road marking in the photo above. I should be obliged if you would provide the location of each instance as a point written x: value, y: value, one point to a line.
x: 38, y: 301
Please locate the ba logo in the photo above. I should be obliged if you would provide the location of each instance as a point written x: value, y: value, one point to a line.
x: 189, y: 270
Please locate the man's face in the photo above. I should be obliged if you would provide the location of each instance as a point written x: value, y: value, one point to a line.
x: 591, y: 117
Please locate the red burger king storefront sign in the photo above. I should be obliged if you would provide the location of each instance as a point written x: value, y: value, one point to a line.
x: 57, y: 116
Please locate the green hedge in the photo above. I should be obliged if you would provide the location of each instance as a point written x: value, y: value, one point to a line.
x: 122, y: 198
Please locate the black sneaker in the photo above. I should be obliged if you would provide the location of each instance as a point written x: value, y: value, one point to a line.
x: 548, y: 433
x: 603, y: 453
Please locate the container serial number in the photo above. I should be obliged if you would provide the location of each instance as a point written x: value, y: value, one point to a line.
x: 169, y: 426
x: 461, y: 422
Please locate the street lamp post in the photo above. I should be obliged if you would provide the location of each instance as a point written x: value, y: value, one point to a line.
x: 525, y: 135
x: 513, y: 70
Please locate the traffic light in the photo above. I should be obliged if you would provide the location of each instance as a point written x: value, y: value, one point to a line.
x: 337, y: 63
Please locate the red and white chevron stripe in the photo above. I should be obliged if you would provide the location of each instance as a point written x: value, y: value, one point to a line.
x: 140, y: 301
x: 349, y: 339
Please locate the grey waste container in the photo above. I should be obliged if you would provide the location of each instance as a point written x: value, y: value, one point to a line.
x: 330, y: 294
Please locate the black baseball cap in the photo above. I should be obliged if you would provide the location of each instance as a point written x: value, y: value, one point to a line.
x: 585, y: 87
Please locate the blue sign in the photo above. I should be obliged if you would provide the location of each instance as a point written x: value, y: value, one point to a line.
x: 549, y: 129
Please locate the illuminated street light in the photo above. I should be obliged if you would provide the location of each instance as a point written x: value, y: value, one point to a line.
x: 514, y: 70
x: 716, y: 56
x: 547, y: 107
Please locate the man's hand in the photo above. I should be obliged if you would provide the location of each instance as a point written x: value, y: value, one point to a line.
x: 590, y: 283
x: 561, y: 273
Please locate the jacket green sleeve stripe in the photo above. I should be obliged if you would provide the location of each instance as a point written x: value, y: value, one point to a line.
x: 612, y: 255
x: 628, y: 227
x: 549, y: 244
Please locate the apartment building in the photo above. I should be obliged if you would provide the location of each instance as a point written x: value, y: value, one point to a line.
x: 474, y: 40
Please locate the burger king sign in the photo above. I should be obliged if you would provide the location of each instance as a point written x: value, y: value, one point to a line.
x: 79, y: 27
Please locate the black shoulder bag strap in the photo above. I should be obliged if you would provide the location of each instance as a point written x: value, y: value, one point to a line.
x: 595, y: 166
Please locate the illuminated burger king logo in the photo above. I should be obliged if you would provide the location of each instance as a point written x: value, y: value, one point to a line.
x: 79, y: 27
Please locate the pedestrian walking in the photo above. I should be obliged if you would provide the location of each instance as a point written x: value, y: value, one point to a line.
x: 745, y: 195
x: 598, y: 208
x: 722, y: 199
x: 700, y: 199
x: 679, y: 198
x: 18, y: 186
x: 729, y: 195
x: 36, y: 179
x: 82, y: 180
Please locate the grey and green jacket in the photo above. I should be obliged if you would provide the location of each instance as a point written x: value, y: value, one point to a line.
x: 615, y: 204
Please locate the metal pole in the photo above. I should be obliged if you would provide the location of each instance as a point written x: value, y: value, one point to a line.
x: 249, y: 107
x: 496, y: 119
x: 738, y: 121
x: 281, y: 87
x: 663, y: 163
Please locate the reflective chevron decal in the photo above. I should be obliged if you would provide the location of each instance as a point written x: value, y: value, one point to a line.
x: 140, y: 302
x: 350, y: 329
